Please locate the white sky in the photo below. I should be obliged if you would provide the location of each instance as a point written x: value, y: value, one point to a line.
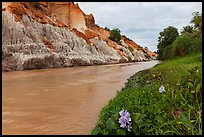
x: 142, y: 21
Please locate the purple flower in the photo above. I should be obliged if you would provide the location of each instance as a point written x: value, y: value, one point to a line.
x: 129, y: 128
x: 161, y: 89
x: 125, y: 120
x: 122, y: 121
x: 124, y: 113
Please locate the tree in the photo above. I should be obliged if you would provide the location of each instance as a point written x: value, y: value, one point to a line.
x: 166, y: 38
x: 115, y: 35
x: 146, y: 48
x: 187, y: 29
x: 197, y: 20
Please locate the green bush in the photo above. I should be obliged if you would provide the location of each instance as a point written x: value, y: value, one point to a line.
x: 197, y: 44
x: 167, y: 53
x: 166, y: 38
x: 115, y: 35
x: 186, y: 44
x: 182, y: 45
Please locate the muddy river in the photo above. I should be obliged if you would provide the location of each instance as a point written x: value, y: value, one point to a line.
x: 61, y: 100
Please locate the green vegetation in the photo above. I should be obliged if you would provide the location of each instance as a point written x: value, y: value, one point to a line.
x: 187, y: 29
x: 177, y: 111
x: 171, y: 44
x: 197, y: 20
x: 115, y: 35
x: 186, y: 44
x: 163, y: 100
x: 127, y: 38
x: 146, y: 48
x: 130, y: 49
x: 106, y: 28
x: 166, y: 38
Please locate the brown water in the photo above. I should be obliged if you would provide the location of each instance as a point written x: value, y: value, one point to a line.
x: 63, y: 100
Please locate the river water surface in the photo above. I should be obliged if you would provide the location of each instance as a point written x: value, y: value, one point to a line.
x: 62, y: 100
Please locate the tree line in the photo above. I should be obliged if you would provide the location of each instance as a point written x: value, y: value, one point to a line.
x: 172, y: 44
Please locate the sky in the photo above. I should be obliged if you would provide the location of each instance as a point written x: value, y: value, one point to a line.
x: 142, y: 21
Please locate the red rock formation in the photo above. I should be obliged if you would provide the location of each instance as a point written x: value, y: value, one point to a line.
x: 69, y: 15
x: 90, y: 21
x: 77, y: 19
x: 39, y: 14
x: 60, y: 11
x: 152, y: 53
x: 80, y: 34
x: 131, y: 43
x: 91, y: 34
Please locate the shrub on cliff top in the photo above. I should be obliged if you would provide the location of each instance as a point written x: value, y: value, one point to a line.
x: 115, y: 35
x: 106, y: 28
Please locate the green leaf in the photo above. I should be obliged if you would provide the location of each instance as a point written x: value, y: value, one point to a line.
x: 115, y: 116
x: 120, y: 132
x: 159, y: 119
x: 143, y: 116
x: 114, y: 111
x: 192, y: 91
x: 95, y: 131
x: 136, y: 116
x: 110, y: 124
x: 191, y: 107
x: 190, y: 84
x: 165, y: 133
x: 141, y: 123
x: 134, y: 128
x: 186, y: 121
x: 198, y: 87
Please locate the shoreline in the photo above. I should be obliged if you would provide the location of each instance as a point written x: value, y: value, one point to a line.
x: 6, y: 71
x: 142, y: 98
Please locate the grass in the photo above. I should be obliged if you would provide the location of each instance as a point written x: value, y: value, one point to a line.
x: 174, y: 112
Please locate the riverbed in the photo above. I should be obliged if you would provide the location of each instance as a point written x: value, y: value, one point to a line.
x: 61, y: 100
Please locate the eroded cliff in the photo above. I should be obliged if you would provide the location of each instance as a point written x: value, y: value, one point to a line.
x: 58, y: 34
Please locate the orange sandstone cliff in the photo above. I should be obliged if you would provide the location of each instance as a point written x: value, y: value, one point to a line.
x: 59, y: 34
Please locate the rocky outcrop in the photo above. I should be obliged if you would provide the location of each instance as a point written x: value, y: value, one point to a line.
x: 58, y: 34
